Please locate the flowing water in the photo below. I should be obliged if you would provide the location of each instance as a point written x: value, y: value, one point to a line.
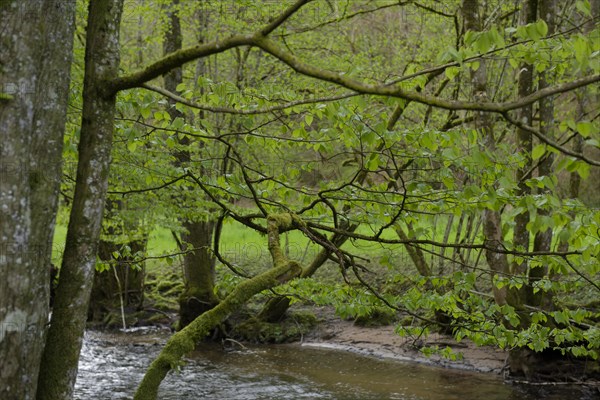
x: 112, y: 365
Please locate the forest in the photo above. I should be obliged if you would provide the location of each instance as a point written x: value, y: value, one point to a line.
x: 227, y: 167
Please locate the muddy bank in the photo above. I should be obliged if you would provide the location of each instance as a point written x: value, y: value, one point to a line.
x: 383, y: 342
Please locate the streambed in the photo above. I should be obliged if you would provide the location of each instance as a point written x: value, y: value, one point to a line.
x: 112, y: 365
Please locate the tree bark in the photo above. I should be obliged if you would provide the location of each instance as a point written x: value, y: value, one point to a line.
x: 199, y: 264
x: 492, y: 220
x: 524, y: 147
x: 36, y: 39
x: 543, y: 240
x: 65, y: 335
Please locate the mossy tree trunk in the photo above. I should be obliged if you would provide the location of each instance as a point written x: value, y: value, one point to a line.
x: 185, y: 340
x: 65, y: 336
x: 36, y: 45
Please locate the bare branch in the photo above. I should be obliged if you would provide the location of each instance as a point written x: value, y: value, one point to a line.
x: 291, y: 10
x: 581, y: 274
x: 150, y: 189
x: 549, y: 141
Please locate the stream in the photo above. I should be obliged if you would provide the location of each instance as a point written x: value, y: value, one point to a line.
x: 112, y: 365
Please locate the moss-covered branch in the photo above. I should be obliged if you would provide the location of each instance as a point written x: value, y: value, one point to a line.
x: 177, y: 59
x: 301, y: 67
x: 185, y: 340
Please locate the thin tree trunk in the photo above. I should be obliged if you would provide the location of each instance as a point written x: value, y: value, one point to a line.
x: 36, y: 39
x: 199, y: 264
x: 543, y: 240
x: 123, y: 281
x: 521, y: 236
x: 492, y: 219
x: 199, y: 273
x: 414, y: 252
x: 524, y: 143
x: 65, y: 336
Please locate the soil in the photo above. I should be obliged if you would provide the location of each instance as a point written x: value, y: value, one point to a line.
x: 383, y: 342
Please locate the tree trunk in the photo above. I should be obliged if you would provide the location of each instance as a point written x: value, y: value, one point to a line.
x: 199, y: 264
x: 524, y: 146
x: 543, y: 240
x: 59, y: 367
x: 36, y: 39
x: 199, y: 273
x: 414, y: 252
x: 492, y: 219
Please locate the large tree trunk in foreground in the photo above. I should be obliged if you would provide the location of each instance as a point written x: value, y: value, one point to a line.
x: 65, y: 336
x: 185, y: 340
x: 36, y: 39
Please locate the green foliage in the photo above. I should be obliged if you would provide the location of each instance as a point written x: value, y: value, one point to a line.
x: 338, y: 162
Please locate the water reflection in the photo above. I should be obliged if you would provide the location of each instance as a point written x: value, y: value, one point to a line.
x: 112, y: 365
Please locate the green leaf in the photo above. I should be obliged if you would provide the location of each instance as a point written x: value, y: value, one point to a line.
x: 177, y: 123
x: 561, y: 317
x: 541, y: 27
x: 145, y: 112
x: 455, y: 55
x: 538, y: 151
x: 584, y: 7
x: 369, y: 137
x: 308, y: 119
x: 373, y: 162
x: 585, y: 128
x: 131, y: 146
x: 581, y: 51
x: 483, y: 43
x: 451, y: 72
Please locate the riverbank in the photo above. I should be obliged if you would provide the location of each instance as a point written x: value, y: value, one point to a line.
x: 383, y: 342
